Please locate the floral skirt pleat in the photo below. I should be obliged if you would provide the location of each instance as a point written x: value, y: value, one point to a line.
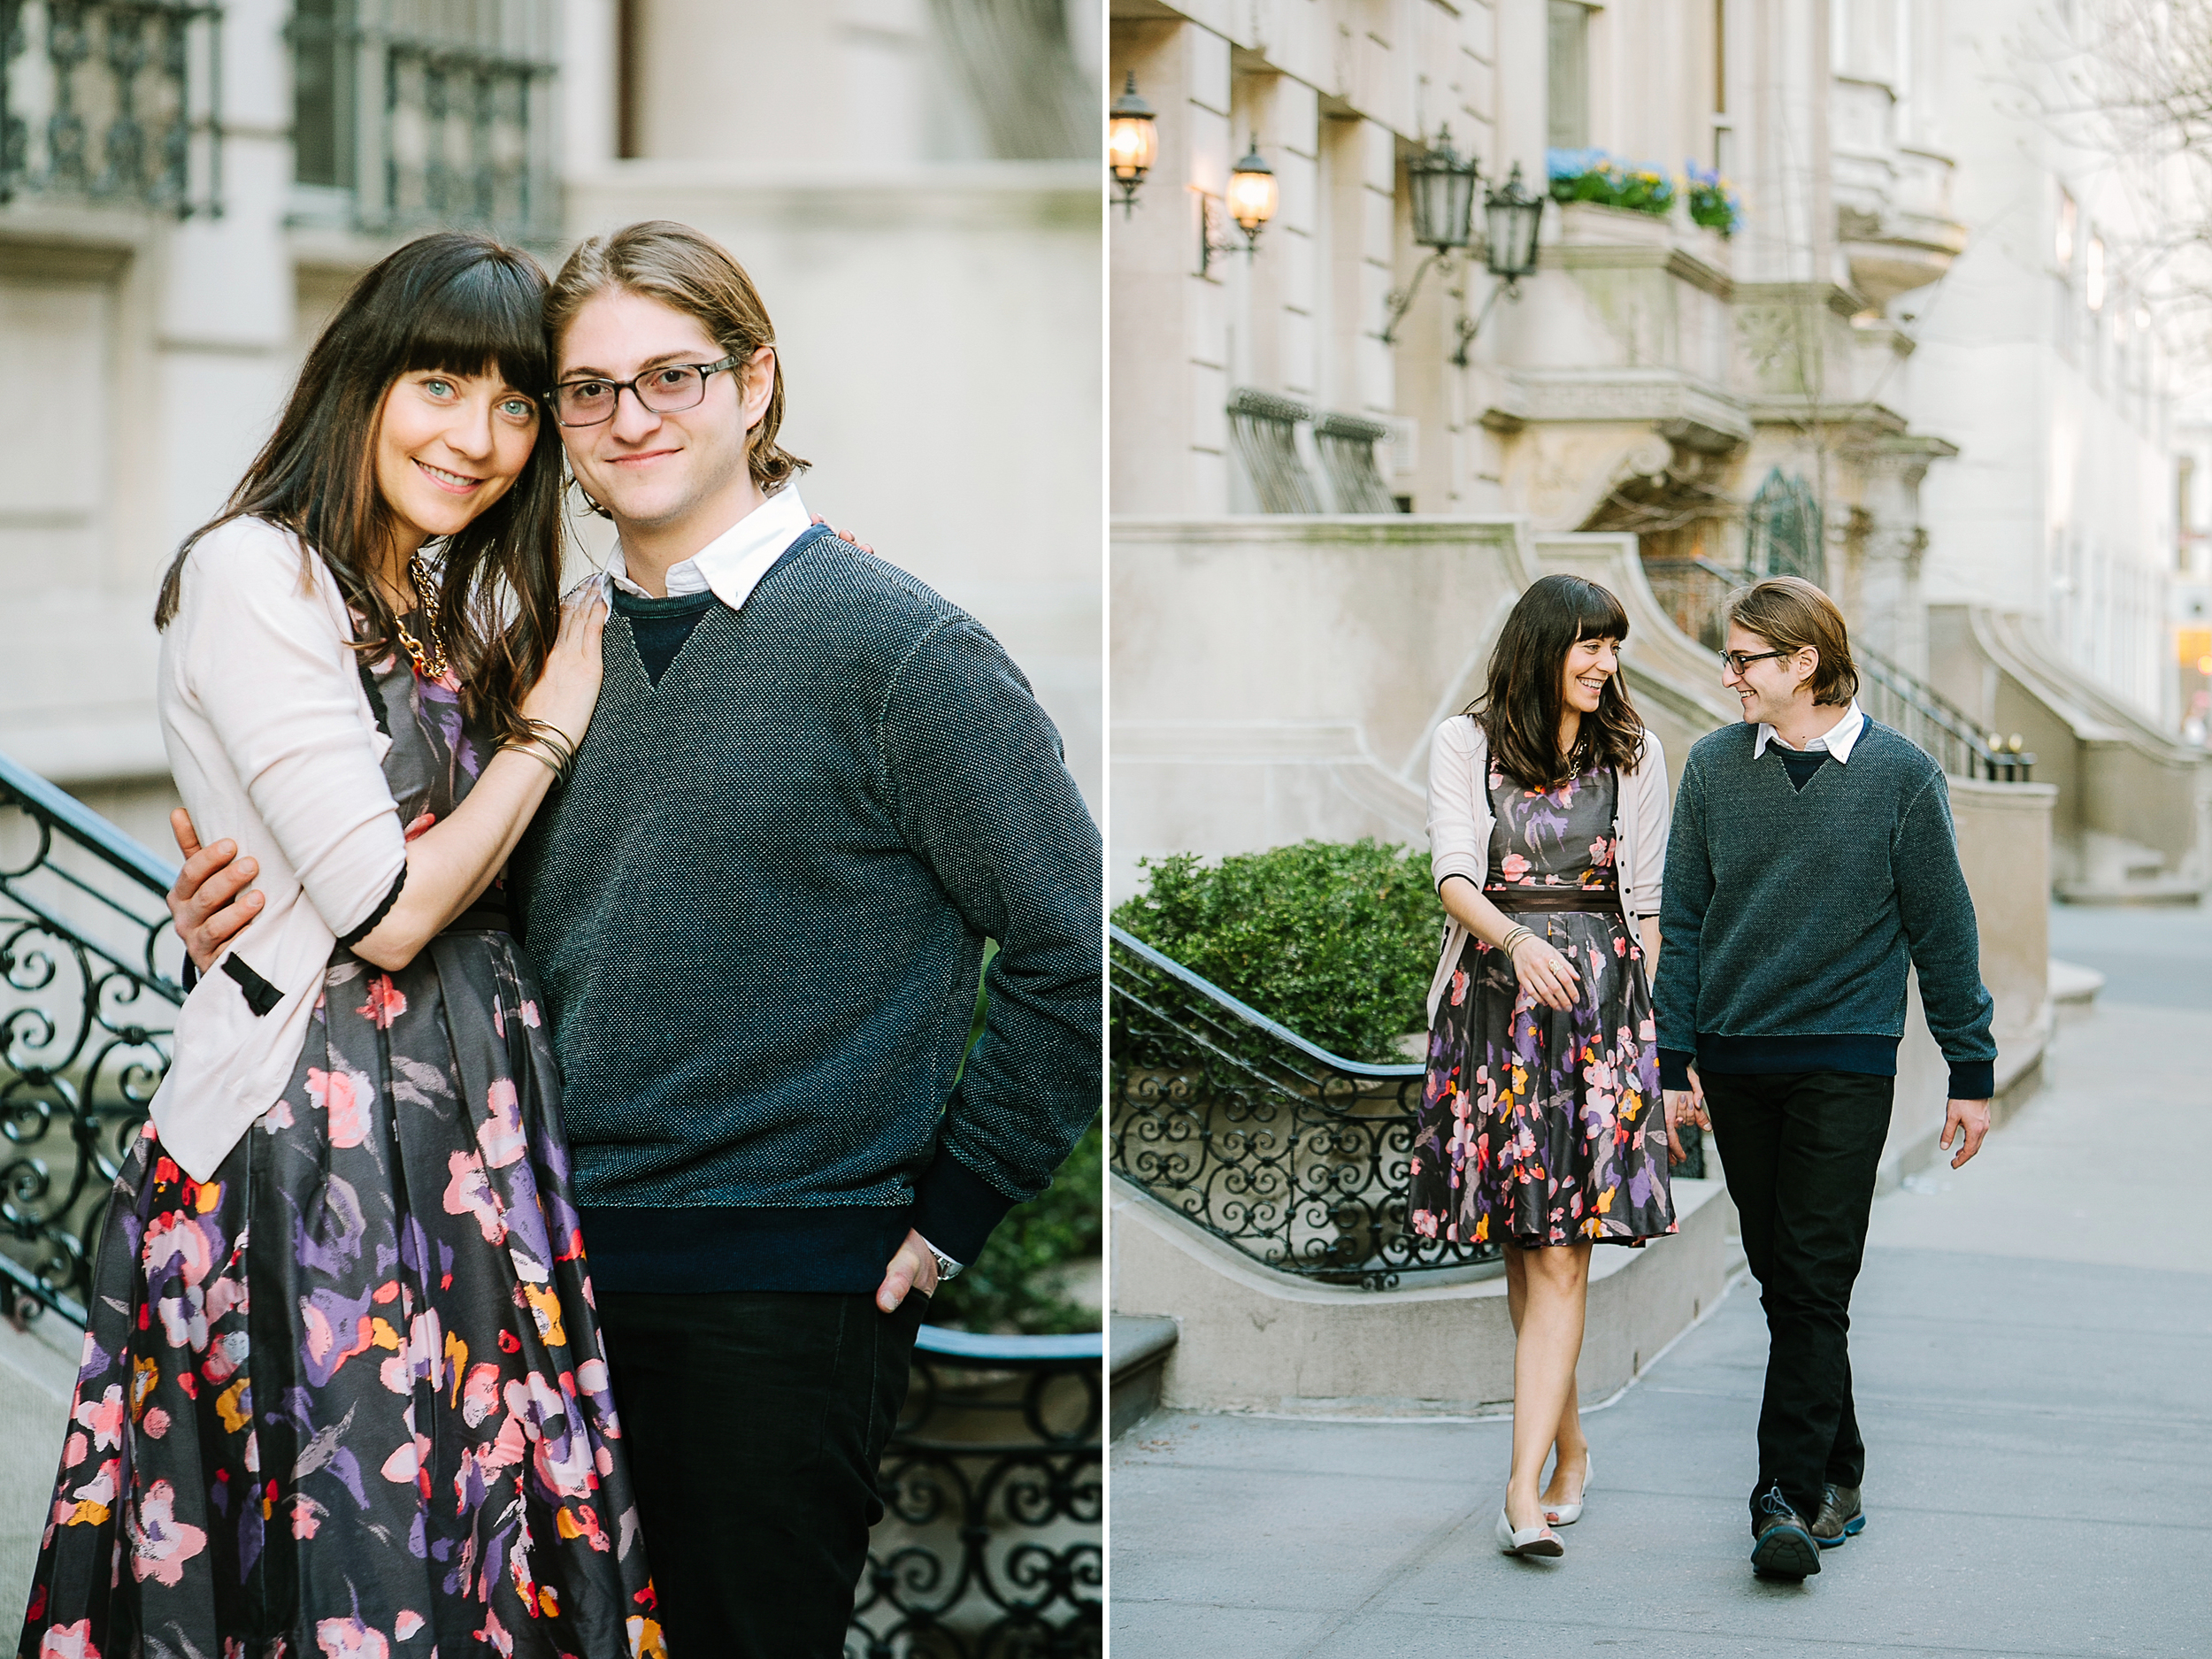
x: 347, y: 1400
x: 1539, y: 1126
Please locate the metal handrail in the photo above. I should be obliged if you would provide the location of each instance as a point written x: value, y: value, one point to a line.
x: 1297, y: 1158
x: 87, y: 1010
x: 1916, y: 703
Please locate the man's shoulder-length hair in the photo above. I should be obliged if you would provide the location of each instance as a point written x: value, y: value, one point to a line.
x: 1790, y: 614
x: 692, y: 273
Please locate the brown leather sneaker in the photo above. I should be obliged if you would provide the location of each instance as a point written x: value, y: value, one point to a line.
x: 1840, y: 1518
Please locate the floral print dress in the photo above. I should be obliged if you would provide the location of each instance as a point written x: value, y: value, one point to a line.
x: 347, y: 1400
x: 1539, y: 1126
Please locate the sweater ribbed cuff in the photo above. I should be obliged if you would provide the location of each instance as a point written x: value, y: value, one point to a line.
x: 955, y: 1208
x: 1674, y: 1068
x: 1973, y: 1079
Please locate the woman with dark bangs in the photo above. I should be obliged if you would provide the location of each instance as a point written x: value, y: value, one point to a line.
x: 1541, y: 1122
x: 344, y: 1391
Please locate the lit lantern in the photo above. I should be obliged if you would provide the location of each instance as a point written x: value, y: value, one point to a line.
x: 1131, y: 142
x: 1252, y: 192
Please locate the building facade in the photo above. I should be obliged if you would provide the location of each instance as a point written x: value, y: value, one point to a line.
x: 1795, y: 309
x: 192, y: 188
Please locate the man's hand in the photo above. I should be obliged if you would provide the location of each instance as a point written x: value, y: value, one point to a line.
x: 913, y: 1267
x: 1969, y: 1118
x: 1685, y: 1106
x: 206, y: 902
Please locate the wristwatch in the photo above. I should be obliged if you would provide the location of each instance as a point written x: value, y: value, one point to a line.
x: 947, y: 1268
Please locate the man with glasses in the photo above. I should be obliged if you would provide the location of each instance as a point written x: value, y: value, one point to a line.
x: 810, y: 791
x: 1812, y: 859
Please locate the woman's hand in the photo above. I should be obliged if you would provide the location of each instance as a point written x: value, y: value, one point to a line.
x: 568, y: 690
x: 1685, y: 1106
x: 1547, y: 975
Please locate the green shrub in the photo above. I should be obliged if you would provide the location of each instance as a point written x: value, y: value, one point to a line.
x: 1335, y: 940
x: 1009, y: 1286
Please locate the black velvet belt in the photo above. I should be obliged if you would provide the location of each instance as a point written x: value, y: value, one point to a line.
x: 1546, y: 900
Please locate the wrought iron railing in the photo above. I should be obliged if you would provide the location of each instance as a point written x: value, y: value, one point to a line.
x: 1295, y: 1155
x: 412, y: 114
x: 1348, y: 454
x: 993, y: 1542
x: 1695, y: 593
x: 88, y: 995
x: 1264, y: 428
x: 112, y: 101
x: 1900, y: 700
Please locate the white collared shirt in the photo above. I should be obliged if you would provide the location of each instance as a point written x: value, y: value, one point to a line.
x: 735, y: 561
x: 1837, y: 740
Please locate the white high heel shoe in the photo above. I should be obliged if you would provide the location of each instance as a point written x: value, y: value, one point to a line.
x: 1530, y: 1541
x: 1567, y: 1514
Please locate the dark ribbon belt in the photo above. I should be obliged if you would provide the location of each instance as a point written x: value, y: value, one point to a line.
x: 481, y: 919
x: 1548, y: 901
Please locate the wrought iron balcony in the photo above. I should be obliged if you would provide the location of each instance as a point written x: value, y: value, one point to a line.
x: 111, y: 102
x: 1295, y: 1155
x: 415, y: 114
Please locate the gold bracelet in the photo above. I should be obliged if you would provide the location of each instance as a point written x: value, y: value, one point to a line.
x: 1512, y: 940
x: 532, y: 749
x: 557, y: 740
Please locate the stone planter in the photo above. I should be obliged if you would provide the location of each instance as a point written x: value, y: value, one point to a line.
x: 1587, y: 223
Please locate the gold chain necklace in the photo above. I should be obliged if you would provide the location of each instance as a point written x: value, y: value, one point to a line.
x: 431, y: 664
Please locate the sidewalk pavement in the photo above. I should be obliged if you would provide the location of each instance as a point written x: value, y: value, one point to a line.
x: 2031, y: 1345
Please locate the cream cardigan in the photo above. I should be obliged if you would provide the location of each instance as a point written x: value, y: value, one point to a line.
x: 1459, y: 822
x: 274, y: 743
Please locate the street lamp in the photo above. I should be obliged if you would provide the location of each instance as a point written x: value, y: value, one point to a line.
x: 1252, y: 199
x: 1443, y: 189
x: 1512, y: 217
x: 1443, y: 194
x: 1133, y: 140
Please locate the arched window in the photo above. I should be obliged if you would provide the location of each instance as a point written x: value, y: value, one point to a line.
x: 1782, y: 531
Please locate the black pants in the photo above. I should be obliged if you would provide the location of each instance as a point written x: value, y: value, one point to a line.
x: 755, y: 1420
x: 1802, y: 1151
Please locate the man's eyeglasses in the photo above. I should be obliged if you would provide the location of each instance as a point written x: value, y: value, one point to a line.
x: 1736, y: 662
x: 665, y: 390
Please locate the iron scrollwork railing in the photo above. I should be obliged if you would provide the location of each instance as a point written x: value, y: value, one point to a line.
x: 112, y: 101
x: 1296, y: 1157
x: 89, y: 996
x: 993, y: 1540
x: 1347, y: 453
x: 1265, y: 430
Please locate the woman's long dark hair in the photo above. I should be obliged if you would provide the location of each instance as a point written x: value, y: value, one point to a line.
x: 463, y: 305
x: 1520, y: 708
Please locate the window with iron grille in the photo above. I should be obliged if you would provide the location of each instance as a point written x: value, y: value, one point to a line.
x: 111, y: 102
x: 412, y: 114
x: 1264, y: 427
x: 1348, y: 454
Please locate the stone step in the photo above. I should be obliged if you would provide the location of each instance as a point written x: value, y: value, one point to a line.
x: 1137, y: 1346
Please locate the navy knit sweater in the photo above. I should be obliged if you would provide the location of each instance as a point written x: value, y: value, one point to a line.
x: 1790, y: 912
x: 759, y: 908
